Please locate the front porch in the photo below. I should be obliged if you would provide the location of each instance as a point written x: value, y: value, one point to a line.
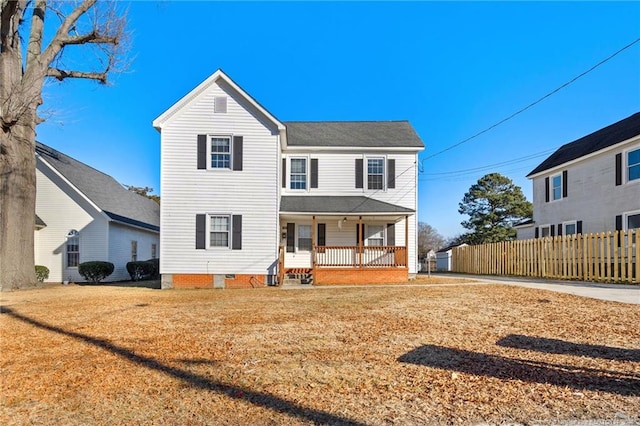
x: 326, y: 250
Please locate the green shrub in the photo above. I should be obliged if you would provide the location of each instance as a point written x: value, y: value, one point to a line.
x: 140, y: 269
x: 144, y: 269
x: 42, y: 273
x: 95, y: 271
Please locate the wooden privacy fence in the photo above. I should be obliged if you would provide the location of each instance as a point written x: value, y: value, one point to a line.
x: 608, y: 257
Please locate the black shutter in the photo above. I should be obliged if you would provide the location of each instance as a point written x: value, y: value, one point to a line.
x: 202, y: 152
x: 236, y: 231
x: 391, y: 234
x: 564, y: 184
x: 284, y: 172
x: 546, y: 189
x: 237, y: 153
x: 322, y: 234
x: 618, y: 169
x: 553, y: 230
x: 314, y: 173
x: 619, y: 226
x: 291, y: 237
x: 201, y: 233
x: 537, y: 233
x: 579, y: 227
x: 391, y: 173
x: 559, y: 230
x: 359, y: 178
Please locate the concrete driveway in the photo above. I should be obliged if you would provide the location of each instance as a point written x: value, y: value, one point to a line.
x: 624, y: 293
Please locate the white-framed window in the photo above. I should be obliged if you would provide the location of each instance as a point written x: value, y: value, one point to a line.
x: 556, y: 187
x: 375, y: 235
x: 633, y: 165
x: 73, y: 249
x: 545, y: 231
x: 298, y: 174
x: 154, y: 251
x: 570, y: 228
x: 219, y: 150
x: 631, y: 220
x: 304, y: 238
x: 219, y: 230
x: 134, y: 250
x: 375, y: 173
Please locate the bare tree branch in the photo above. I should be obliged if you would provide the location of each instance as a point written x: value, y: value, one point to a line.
x: 62, y: 74
x: 92, y: 37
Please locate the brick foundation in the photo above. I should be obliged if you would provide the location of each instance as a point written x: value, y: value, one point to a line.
x: 245, y: 281
x: 354, y: 276
x: 192, y: 281
x: 207, y: 281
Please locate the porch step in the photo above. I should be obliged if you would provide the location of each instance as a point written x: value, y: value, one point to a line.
x: 298, y: 276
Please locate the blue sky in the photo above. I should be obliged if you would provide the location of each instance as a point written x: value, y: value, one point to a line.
x: 452, y: 69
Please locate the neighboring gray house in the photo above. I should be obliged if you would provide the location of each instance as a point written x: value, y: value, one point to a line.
x: 83, y: 214
x: 589, y: 185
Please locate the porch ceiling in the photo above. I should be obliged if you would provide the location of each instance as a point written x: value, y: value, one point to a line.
x: 342, y: 205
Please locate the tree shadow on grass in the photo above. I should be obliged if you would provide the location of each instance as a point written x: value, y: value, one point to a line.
x: 481, y: 364
x: 556, y: 346
x: 236, y: 392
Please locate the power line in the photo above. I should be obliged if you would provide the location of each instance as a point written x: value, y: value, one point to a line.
x: 531, y: 104
x: 489, y: 166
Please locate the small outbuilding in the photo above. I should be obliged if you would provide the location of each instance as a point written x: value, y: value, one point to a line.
x: 443, y: 258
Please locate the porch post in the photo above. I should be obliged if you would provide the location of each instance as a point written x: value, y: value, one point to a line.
x: 313, y: 242
x: 360, y: 241
x: 406, y: 240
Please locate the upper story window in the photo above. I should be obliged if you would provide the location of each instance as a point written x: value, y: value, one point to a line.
x: 633, y: 165
x: 375, y: 173
x: 298, y: 177
x: 219, y: 228
x: 73, y: 249
x: 220, y: 152
x: 556, y: 184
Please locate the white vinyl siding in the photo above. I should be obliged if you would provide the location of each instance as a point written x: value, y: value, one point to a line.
x: 120, y: 239
x: 187, y: 191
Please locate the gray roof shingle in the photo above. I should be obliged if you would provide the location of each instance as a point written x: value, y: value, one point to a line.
x: 337, y: 204
x: 603, y: 138
x: 117, y: 202
x: 377, y: 134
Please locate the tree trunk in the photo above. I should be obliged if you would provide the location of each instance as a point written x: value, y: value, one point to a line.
x: 18, y: 203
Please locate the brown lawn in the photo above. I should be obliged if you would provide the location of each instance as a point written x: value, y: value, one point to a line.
x: 382, y: 355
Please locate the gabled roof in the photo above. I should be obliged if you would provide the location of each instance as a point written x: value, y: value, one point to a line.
x: 447, y: 248
x: 212, y: 79
x: 355, y: 204
x: 120, y: 204
x: 369, y: 134
x: 601, y: 139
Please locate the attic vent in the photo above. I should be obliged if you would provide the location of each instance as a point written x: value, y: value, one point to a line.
x: 45, y: 150
x: 220, y: 105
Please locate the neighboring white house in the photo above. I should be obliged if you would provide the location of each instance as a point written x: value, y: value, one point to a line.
x: 243, y: 192
x: 83, y: 214
x: 589, y: 185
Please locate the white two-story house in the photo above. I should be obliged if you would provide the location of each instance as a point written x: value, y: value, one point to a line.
x: 589, y: 185
x: 248, y: 199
